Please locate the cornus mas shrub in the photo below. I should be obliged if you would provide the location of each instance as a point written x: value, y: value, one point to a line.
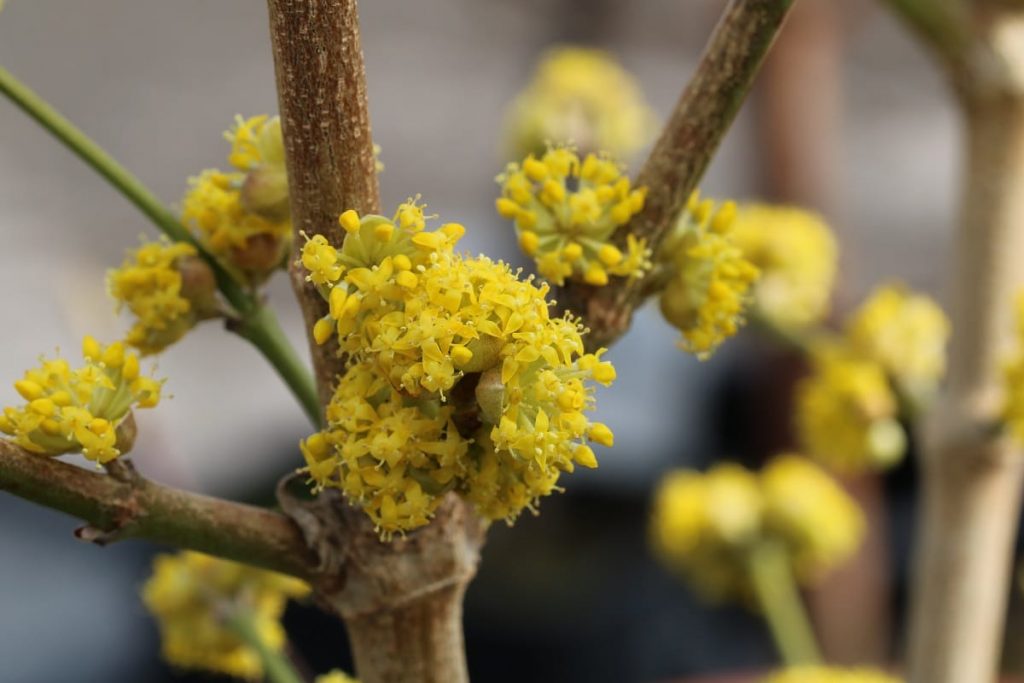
x: 450, y: 390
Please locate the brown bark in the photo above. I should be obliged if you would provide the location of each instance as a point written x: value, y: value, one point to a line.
x: 321, y: 83
x: 401, y: 600
x: 420, y: 641
x: 117, y: 508
x: 679, y: 158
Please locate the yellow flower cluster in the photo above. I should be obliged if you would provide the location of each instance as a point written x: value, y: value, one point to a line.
x: 708, y: 276
x: 86, y: 409
x: 846, y: 412
x: 394, y: 460
x: 168, y: 289
x: 820, y: 524
x: 580, y: 96
x: 830, y: 674
x: 438, y: 343
x: 566, y: 213
x: 705, y: 525
x: 796, y: 254
x: 336, y: 676
x: 906, y: 333
x: 191, y: 595
x: 242, y: 217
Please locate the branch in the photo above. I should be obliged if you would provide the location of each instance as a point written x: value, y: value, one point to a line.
x: 701, y: 119
x: 972, y: 478
x: 942, y: 25
x: 321, y: 85
x: 117, y: 508
x: 258, y: 322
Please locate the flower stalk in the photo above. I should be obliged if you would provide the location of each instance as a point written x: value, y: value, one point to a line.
x: 277, y: 668
x: 780, y: 601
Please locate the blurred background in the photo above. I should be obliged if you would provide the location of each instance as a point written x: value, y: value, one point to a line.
x: 849, y: 118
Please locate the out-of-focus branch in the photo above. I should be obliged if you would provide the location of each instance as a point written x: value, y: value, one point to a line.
x: 943, y: 25
x: 116, y: 508
x: 691, y: 136
x: 972, y: 478
x: 321, y: 86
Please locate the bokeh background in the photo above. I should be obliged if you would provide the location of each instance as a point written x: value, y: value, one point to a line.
x: 849, y: 118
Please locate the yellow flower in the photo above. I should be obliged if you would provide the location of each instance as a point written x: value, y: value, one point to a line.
x: 580, y: 96
x: 168, y: 289
x: 708, y: 277
x: 1013, y: 380
x: 242, y: 217
x: 191, y: 595
x: 906, y: 333
x: 86, y: 409
x: 818, y: 521
x: 566, y: 214
x: 846, y: 413
x: 706, y: 526
x: 245, y: 243
x: 336, y: 676
x: 416, y: 321
x: 394, y: 460
x: 257, y: 151
x: 255, y: 142
x: 830, y: 674
x: 703, y: 524
x: 796, y: 254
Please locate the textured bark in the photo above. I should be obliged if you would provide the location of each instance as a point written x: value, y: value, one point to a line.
x: 325, y: 119
x: 972, y: 478
x: 132, y: 507
x: 679, y: 158
x: 401, y: 600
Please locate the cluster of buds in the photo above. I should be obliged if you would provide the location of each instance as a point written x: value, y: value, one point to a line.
x: 567, y: 211
x: 195, y: 597
x: 891, y: 352
x: 707, y: 276
x: 582, y: 96
x: 797, y: 256
x: 86, y: 409
x: 459, y: 377
x: 706, y: 525
x: 168, y: 288
x: 242, y: 216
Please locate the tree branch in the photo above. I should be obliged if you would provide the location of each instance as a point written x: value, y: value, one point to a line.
x: 321, y: 86
x: 942, y: 25
x: 700, y: 120
x: 115, y: 508
x: 971, y: 478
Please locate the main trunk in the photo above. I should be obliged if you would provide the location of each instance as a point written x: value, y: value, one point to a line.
x: 972, y: 479
x: 419, y: 641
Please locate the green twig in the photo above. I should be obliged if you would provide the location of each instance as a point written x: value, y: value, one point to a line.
x: 277, y: 668
x: 264, y: 331
x: 780, y: 601
x: 258, y: 323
